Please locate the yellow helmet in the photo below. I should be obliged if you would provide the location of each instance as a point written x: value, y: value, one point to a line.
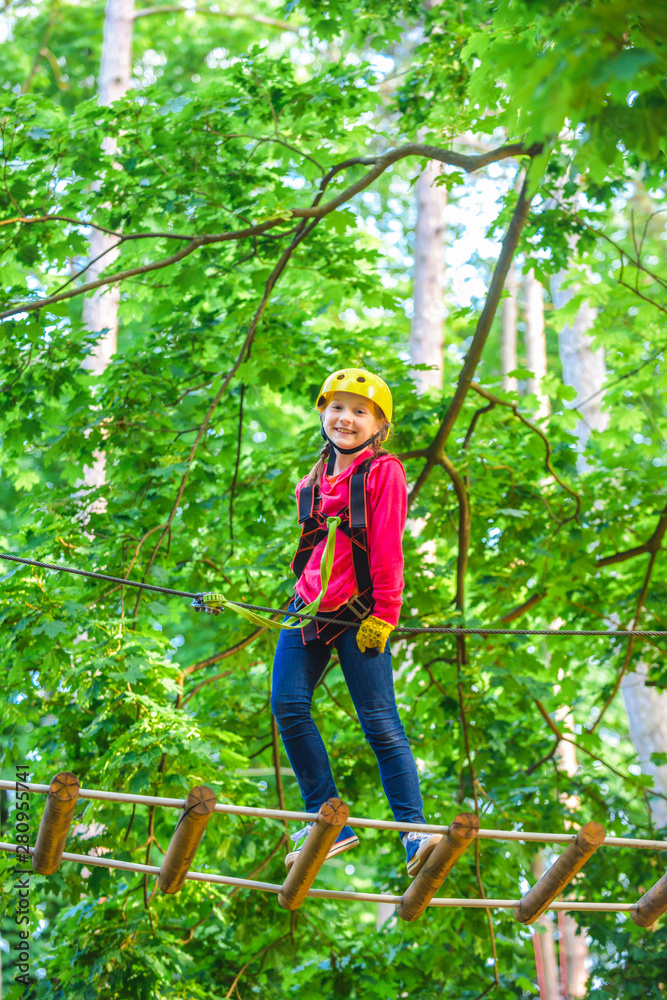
x: 361, y: 382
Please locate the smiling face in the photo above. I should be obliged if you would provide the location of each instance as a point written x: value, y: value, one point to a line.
x: 349, y: 419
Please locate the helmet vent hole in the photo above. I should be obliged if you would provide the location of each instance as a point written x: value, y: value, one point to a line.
x: 360, y: 378
x: 342, y: 375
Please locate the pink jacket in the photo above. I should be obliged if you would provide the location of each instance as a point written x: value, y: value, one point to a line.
x: 386, y: 505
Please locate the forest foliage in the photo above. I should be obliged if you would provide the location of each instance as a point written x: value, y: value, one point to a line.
x: 261, y: 193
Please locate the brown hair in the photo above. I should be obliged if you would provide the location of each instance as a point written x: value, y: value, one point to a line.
x: 317, y: 471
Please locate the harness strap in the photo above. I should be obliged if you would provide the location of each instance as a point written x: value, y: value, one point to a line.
x: 306, y: 503
x: 313, y: 526
x: 356, y: 609
x: 358, y: 530
x: 354, y: 523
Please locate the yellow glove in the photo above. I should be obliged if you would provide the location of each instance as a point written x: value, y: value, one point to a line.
x: 373, y: 632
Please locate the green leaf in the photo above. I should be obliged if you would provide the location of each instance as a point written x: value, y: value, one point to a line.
x: 26, y: 479
x: 52, y: 629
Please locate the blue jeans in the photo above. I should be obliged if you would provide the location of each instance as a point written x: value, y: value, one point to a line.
x: 297, y: 670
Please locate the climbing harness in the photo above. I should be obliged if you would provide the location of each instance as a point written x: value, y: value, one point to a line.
x: 239, y: 606
x: 212, y: 602
x: 352, y: 522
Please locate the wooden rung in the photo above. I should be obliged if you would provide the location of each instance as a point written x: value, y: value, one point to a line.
x: 562, y: 871
x: 61, y: 802
x: 189, y: 831
x: 652, y: 904
x: 332, y: 817
x: 461, y: 833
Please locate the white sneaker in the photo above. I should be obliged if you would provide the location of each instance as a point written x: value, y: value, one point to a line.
x: 346, y: 839
x: 419, y: 847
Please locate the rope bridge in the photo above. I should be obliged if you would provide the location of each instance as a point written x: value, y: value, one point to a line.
x: 64, y: 791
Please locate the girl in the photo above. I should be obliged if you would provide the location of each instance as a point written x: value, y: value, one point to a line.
x: 364, y: 485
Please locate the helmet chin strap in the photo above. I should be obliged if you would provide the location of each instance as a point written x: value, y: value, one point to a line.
x: 333, y: 448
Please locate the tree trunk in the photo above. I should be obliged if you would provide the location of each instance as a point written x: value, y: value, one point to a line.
x: 100, y: 310
x: 116, y: 62
x: 536, y: 343
x: 572, y: 947
x: 583, y: 368
x: 508, y: 336
x: 544, y: 946
x: 573, y: 955
x: 429, y: 284
x: 647, y: 713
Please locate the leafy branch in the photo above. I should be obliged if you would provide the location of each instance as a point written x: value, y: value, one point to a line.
x: 316, y: 212
x: 262, y: 953
x: 651, y: 545
x: 231, y: 651
x: 514, y: 407
x: 464, y: 527
x: 202, y: 684
x: 562, y: 738
x: 623, y: 254
x: 31, y: 220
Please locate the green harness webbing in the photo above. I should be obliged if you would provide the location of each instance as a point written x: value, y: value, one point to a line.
x: 326, y: 565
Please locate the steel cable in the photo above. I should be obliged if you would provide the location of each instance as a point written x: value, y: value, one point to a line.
x: 403, y: 630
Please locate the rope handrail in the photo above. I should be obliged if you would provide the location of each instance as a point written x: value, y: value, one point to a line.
x: 402, y: 630
x: 359, y: 897
x: 372, y: 824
